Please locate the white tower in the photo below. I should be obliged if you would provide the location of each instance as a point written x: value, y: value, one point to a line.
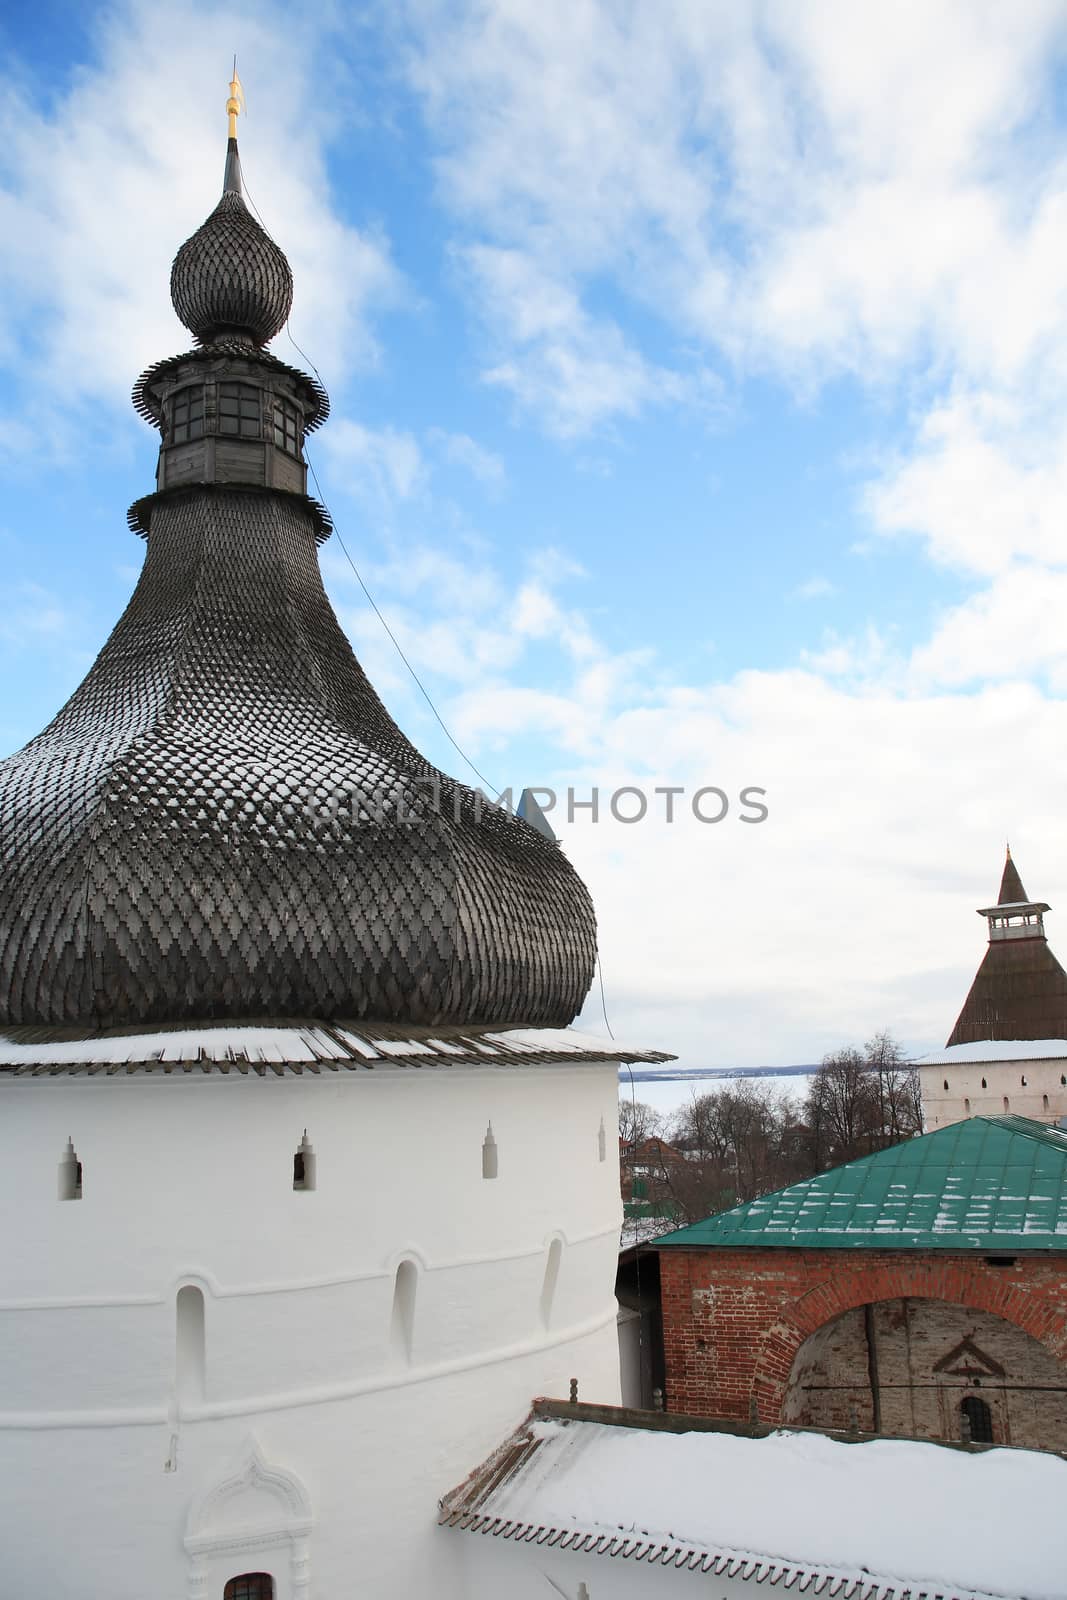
x: 305, y: 1187
x: 1007, y: 1054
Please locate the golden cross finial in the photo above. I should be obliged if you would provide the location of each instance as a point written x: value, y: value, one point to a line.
x: 1009, y: 852
x: 236, y: 102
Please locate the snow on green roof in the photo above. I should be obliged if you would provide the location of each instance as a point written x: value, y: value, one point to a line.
x: 995, y: 1184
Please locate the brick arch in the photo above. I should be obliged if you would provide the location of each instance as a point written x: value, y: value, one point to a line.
x: 970, y: 1284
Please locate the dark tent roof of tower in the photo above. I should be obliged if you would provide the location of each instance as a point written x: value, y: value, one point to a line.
x: 1019, y: 992
x: 224, y: 821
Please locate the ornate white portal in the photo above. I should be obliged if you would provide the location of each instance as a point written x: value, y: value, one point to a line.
x: 256, y: 1518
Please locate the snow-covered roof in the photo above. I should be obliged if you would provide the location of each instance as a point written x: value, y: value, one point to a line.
x: 995, y: 1050
x: 298, y: 1047
x: 886, y: 1519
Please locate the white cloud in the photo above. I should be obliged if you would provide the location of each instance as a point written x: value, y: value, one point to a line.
x: 573, y: 370
x: 813, y: 193
x: 98, y: 191
x: 31, y: 612
x: 814, y: 588
x: 380, y: 463
x: 850, y: 908
x: 1011, y: 630
x: 984, y: 484
x: 463, y: 451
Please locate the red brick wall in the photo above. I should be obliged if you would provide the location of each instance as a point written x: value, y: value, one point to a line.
x: 734, y: 1319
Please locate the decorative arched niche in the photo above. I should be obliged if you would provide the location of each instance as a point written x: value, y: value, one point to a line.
x: 258, y: 1516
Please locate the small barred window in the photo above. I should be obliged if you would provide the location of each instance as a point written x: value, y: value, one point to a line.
x: 239, y: 410
x: 286, y: 427
x: 187, y: 415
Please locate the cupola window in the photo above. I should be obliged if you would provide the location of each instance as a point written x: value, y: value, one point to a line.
x: 239, y: 410
x: 250, y: 1586
x: 187, y: 415
x: 286, y: 427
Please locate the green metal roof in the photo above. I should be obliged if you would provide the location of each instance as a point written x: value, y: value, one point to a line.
x: 995, y: 1184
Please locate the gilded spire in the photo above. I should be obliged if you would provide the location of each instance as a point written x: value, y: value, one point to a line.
x: 236, y: 103
x: 231, y: 182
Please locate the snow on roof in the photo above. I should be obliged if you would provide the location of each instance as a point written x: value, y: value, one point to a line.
x: 996, y: 1050
x: 296, y: 1045
x: 895, y: 1517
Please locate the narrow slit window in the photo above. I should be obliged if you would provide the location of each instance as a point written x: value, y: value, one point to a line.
x: 239, y: 410
x: 250, y: 1586
x: 187, y: 415
x: 966, y: 1106
x: 1022, y: 1080
x: 402, y: 1331
x: 304, y: 1165
x: 1044, y: 1102
x: 946, y: 1083
x: 984, y: 1084
x: 490, y: 1154
x: 1007, y: 1104
x: 70, y: 1174
x: 551, y: 1281
x: 189, y: 1345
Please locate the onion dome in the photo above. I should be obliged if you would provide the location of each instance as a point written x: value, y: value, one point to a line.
x: 231, y: 276
x: 224, y: 821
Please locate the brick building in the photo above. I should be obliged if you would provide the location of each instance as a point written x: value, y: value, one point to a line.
x: 921, y: 1291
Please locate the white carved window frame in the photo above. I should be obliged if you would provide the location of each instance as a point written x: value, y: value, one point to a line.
x: 218, y: 1552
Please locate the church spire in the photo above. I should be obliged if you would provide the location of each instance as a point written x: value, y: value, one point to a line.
x: 231, y: 182
x: 1012, y: 892
x: 230, y: 279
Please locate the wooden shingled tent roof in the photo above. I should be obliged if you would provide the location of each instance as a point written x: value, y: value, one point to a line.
x: 1020, y: 989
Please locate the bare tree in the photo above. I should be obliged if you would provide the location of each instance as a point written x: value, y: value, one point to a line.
x: 860, y: 1101
x: 738, y: 1142
x: 899, y: 1090
x: 637, y: 1122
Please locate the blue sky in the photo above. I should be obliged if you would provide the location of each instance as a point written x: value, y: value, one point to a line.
x: 698, y: 419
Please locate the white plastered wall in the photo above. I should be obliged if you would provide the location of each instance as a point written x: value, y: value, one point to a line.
x: 1032, y: 1089
x: 187, y: 1180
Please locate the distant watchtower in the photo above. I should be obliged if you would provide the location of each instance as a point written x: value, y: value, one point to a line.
x: 1008, y: 1050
